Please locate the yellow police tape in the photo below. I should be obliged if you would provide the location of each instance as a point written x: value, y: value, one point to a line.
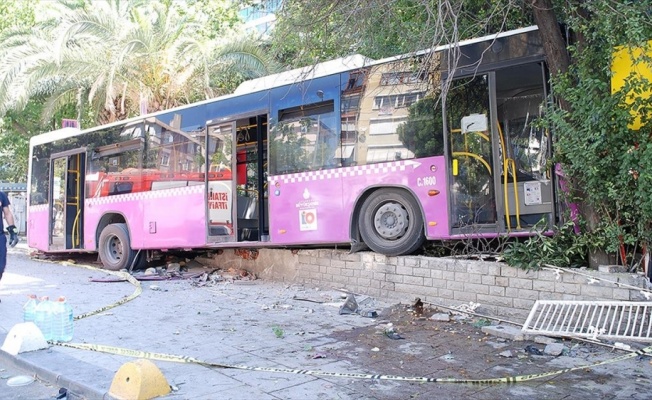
x: 184, y: 359
x: 647, y: 351
x: 120, y: 274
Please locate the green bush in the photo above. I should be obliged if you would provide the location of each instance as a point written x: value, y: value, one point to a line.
x: 564, y: 248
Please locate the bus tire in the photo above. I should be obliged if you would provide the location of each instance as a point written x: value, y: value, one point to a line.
x: 391, y: 223
x: 115, y: 248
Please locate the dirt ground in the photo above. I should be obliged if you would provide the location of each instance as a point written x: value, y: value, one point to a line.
x: 459, y: 349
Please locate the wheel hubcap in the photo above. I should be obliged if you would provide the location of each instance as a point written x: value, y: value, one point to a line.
x: 391, y: 220
x: 115, y: 249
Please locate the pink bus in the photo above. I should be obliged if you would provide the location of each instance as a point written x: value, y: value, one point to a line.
x: 351, y: 151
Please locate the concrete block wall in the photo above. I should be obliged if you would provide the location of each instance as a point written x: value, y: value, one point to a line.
x: 501, y: 290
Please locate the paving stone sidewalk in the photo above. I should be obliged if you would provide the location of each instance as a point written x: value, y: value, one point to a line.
x: 281, y: 325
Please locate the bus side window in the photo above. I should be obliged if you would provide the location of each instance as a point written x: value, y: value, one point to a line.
x: 305, y: 139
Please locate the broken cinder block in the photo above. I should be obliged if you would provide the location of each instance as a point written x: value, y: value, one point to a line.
x: 505, y: 332
x: 554, y: 349
x: 442, y: 317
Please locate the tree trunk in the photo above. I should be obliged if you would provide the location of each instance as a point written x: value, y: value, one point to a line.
x: 558, y: 62
x: 553, y: 42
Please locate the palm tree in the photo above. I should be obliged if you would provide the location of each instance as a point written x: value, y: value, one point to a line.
x: 114, y: 56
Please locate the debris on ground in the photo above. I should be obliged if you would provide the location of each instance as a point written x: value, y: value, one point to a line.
x: 463, y: 346
x: 208, y: 278
x: 350, y: 306
x: 497, y: 345
x: 480, y: 322
x: 464, y: 309
x: 417, y: 307
x: 173, y: 267
x: 506, y: 354
x: 533, y: 350
x: 108, y: 279
x: 554, y: 349
x: 544, y: 340
x: 393, y: 335
x: 161, y: 274
x: 368, y: 313
x: 622, y: 346
x: 217, y: 276
x: 304, y: 299
x: 389, y: 330
x: 441, y: 317
x: 178, y: 269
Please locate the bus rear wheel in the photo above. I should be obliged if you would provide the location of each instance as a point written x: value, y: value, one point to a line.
x: 390, y: 222
x: 114, y: 247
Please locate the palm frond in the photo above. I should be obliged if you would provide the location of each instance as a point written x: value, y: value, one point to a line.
x: 116, y: 51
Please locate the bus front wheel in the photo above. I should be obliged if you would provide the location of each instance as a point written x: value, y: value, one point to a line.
x: 114, y: 247
x: 390, y: 222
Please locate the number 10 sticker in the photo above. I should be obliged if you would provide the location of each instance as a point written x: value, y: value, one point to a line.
x: 308, y: 219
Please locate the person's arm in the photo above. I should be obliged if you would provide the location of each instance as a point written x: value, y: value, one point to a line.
x: 9, y: 216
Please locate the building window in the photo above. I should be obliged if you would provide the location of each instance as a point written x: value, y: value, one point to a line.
x: 356, y: 80
x: 401, y: 78
x: 350, y: 104
x: 396, y: 101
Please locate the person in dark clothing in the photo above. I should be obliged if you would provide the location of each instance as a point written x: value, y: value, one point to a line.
x: 8, y: 216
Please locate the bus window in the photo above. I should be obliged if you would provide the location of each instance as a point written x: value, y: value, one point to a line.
x: 40, y: 174
x: 169, y: 149
x: 472, y: 189
x: 113, y: 174
x: 305, y: 139
x: 391, y: 113
x: 520, y: 92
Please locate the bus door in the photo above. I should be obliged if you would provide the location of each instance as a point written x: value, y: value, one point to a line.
x: 470, y: 145
x: 67, y: 200
x: 498, y: 155
x: 525, y: 185
x: 251, y: 178
x: 219, y: 183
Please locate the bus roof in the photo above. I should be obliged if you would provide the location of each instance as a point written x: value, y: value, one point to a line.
x: 326, y: 68
x: 53, y: 135
x: 462, y: 43
x: 351, y: 62
x: 299, y: 74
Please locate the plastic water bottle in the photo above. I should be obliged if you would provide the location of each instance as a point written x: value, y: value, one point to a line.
x: 43, y: 317
x: 29, y: 309
x: 62, y: 321
x: 57, y: 316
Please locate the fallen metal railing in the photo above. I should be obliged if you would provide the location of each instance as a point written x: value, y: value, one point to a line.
x: 595, y: 320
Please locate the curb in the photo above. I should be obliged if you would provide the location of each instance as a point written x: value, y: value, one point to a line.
x: 76, y: 390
